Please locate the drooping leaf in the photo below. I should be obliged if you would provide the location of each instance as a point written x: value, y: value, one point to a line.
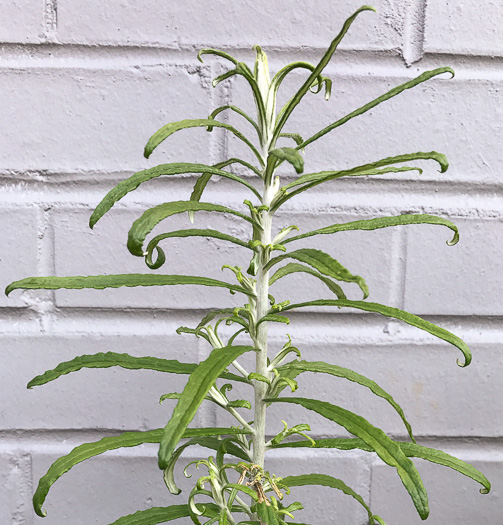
x: 395, y: 313
x: 291, y: 155
x: 338, y: 371
x: 295, y: 267
x: 294, y: 136
x: 237, y: 110
x: 200, y: 381
x: 390, y: 94
x: 328, y: 481
x: 168, y: 130
x: 411, y: 450
x: 89, y: 450
x: 99, y: 282
x: 175, y: 168
x: 109, y: 359
x: 154, y: 515
x: 295, y: 100
x: 325, y: 264
x: 153, y: 216
x: 382, y: 222
x: 385, y: 448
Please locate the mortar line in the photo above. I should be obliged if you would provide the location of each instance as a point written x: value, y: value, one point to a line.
x: 413, y: 34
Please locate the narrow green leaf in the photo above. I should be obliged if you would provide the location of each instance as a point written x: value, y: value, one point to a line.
x: 325, y: 264
x: 411, y: 450
x: 385, y: 448
x: 267, y: 514
x: 382, y: 222
x: 200, y: 381
x: 216, y: 52
x: 89, y: 450
x: 99, y: 282
x: 345, y: 373
x: 154, y: 515
x: 395, y: 313
x: 327, y: 481
x: 291, y: 155
x: 237, y: 110
x: 295, y: 100
x: 295, y: 267
x: 153, y: 216
x: 168, y: 130
x: 175, y: 168
x: 109, y: 359
x: 390, y: 94
x: 294, y: 136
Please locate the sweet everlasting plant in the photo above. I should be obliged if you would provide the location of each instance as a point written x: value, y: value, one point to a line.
x: 236, y: 486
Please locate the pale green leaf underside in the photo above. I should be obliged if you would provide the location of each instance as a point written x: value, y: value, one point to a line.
x: 109, y: 359
x: 291, y: 155
x: 411, y: 450
x: 295, y: 267
x: 382, y: 222
x: 338, y: 371
x: 327, y: 481
x: 193, y: 395
x: 100, y: 282
x: 385, y: 448
x: 168, y: 130
x: 89, y: 450
x: 325, y: 264
x: 176, y: 168
x: 394, y: 313
x: 153, y: 216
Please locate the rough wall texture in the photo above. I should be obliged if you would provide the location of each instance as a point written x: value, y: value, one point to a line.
x: 84, y: 84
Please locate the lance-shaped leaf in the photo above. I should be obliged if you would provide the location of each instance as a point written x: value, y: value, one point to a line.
x: 282, y: 73
x: 411, y: 450
x: 291, y: 155
x: 175, y: 168
x: 339, y: 371
x: 423, y: 77
x: 329, y: 481
x: 325, y: 264
x: 100, y: 282
x: 295, y: 100
x: 109, y: 359
x: 161, y: 258
x: 127, y: 439
x: 200, y: 381
x: 153, y: 216
x: 237, y: 110
x: 267, y: 514
x: 395, y: 313
x: 382, y: 222
x: 295, y: 267
x: 168, y: 130
x: 385, y: 448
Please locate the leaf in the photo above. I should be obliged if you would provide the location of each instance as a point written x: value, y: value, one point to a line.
x: 294, y: 101
x: 385, y: 448
x: 327, y: 481
x: 161, y: 258
x: 266, y: 514
x: 389, y: 94
x: 294, y: 136
x: 154, y: 515
x: 109, y: 359
x: 175, y: 168
x: 395, y: 313
x: 345, y: 373
x: 237, y: 110
x: 153, y: 216
x: 294, y: 267
x: 411, y: 450
x: 99, y: 282
x: 168, y: 130
x: 325, y: 264
x: 200, y: 381
x: 89, y: 450
x: 291, y: 155
x: 383, y: 222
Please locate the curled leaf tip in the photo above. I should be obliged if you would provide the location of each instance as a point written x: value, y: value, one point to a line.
x: 454, y: 240
x: 368, y: 8
x: 199, y: 56
x: 468, y: 360
x: 485, y: 490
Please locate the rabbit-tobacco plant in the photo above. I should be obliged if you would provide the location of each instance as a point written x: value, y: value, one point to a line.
x: 250, y: 494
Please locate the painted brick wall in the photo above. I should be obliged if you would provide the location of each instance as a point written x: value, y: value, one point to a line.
x: 84, y: 84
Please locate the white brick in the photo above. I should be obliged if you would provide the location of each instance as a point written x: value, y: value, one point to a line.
x: 464, y: 279
x: 223, y: 23
x: 470, y: 28
x: 19, y: 255
x: 453, y: 498
x: 79, y: 119
x: 15, y: 497
x: 23, y: 21
x: 91, y: 398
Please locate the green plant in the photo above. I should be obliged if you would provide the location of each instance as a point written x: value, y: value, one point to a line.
x: 251, y: 494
